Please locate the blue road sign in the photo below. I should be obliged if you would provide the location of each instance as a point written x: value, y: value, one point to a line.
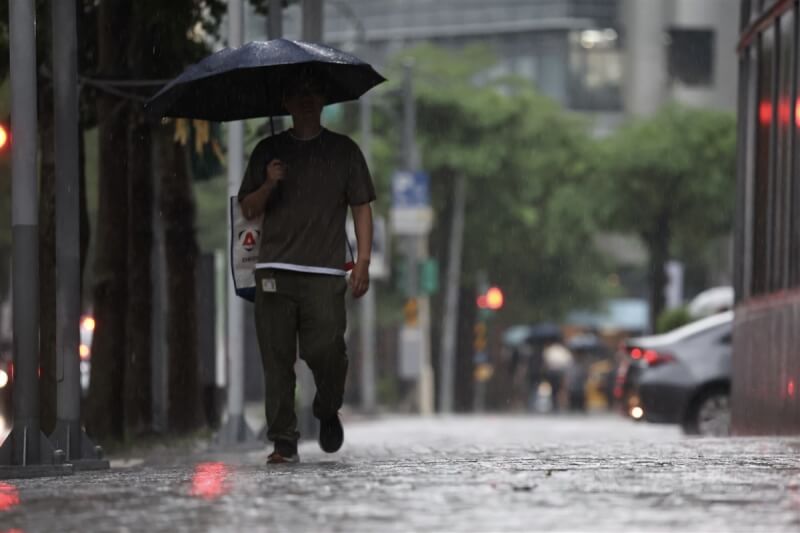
x: 410, y: 190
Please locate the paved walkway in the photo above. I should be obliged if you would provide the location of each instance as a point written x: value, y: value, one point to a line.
x: 491, y: 473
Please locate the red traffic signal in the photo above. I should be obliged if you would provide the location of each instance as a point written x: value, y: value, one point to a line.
x: 4, y: 137
x: 493, y: 300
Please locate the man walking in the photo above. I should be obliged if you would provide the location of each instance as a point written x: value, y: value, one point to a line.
x: 303, y: 180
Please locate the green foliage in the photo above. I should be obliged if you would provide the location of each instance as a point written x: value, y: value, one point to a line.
x: 670, y: 179
x: 211, y: 197
x: 529, y: 213
x: 672, y: 319
x: 680, y: 164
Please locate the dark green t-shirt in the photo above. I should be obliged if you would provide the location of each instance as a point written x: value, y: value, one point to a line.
x: 304, y: 221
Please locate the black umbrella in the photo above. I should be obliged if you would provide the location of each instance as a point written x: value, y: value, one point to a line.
x: 247, y: 82
x: 545, y: 332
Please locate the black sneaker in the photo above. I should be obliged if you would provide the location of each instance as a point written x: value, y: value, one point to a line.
x: 285, y: 452
x: 331, y: 434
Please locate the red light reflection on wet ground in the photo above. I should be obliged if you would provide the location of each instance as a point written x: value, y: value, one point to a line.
x: 210, y: 480
x: 9, y: 496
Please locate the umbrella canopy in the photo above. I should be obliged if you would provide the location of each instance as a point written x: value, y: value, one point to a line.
x: 247, y: 82
x: 545, y: 332
x: 516, y: 335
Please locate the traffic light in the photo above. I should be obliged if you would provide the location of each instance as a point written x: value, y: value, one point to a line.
x: 411, y: 312
x: 479, y: 343
x: 492, y: 300
x: 483, y: 369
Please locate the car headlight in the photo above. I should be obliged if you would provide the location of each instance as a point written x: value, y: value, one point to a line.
x: 3, y: 378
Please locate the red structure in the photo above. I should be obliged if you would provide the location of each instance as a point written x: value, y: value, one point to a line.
x: 766, y: 360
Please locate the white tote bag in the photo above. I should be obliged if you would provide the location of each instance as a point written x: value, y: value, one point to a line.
x: 245, y: 244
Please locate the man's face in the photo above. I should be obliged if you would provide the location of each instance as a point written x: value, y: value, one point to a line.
x: 304, y: 98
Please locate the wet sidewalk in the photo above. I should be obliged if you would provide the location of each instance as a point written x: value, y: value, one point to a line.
x: 491, y: 473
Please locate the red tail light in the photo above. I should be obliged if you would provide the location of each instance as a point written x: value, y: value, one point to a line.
x: 651, y: 357
x: 654, y: 358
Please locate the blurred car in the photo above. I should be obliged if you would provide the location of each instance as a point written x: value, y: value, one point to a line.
x: 87, y: 325
x: 682, y: 377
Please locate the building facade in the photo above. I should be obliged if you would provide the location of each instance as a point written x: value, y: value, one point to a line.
x: 766, y: 363
x: 679, y: 50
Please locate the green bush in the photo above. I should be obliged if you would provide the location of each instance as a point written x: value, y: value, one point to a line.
x: 672, y: 318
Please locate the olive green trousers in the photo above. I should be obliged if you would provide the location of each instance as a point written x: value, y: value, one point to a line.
x: 300, y: 314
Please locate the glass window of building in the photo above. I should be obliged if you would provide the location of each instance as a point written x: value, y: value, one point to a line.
x: 691, y: 56
x: 595, y: 70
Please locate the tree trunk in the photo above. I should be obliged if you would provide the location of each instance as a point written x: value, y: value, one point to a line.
x: 105, y: 406
x: 86, y: 231
x: 138, y: 393
x: 138, y: 387
x: 658, y: 242
x: 47, y: 261
x: 464, y: 390
x: 178, y: 211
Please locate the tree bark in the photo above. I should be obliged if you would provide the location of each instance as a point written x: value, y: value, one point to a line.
x: 658, y: 241
x: 138, y: 365
x: 138, y: 392
x: 464, y: 389
x: 105, y: 406
x: 178, y: 211
x: 86, y: 230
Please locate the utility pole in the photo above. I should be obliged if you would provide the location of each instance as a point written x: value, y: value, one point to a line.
x: 312, y: 23
x: 417, y: 249
x: 68, y: 434
x: 368, y: 396
x: 26, y: 445
x: 275, y: 20
x: 448, y: 350
x: 235, y: 429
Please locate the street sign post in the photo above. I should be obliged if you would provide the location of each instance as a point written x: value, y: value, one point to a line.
x: 412, y: 218
x: 411, y: 213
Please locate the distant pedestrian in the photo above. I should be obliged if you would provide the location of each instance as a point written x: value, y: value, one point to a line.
x: 557, y: 360
x: 303, y: 181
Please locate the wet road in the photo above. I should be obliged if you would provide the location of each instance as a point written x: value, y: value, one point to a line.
x: 491, y: 473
